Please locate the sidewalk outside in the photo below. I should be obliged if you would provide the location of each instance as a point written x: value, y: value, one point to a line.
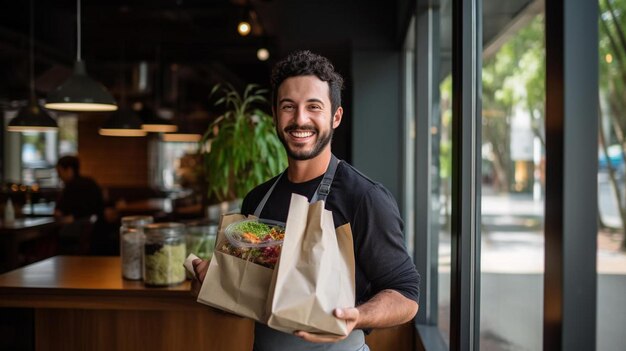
x: 513, y: 240
x: 512, y: 264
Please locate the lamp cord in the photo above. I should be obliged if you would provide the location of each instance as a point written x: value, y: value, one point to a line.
x: 157, y: 79
x: 122, y: 75
x: 78, y: 48
x: 32, y: 50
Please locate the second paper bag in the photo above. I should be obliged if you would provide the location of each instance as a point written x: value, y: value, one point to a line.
x: 315, y: 273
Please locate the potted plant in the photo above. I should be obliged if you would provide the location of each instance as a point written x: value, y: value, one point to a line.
x: 241, y: 147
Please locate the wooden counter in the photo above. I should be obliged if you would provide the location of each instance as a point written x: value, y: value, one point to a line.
x: 82, y: 303
x: 19, y: 231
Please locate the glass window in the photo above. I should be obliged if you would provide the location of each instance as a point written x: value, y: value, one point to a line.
x: 41, y: 150
x: 409, y: 137
x: 442, y: 203
x: 441, y: 169
x: 176, y: 165
x: 37, y: 152
x: 512, y: 196
x: 68, y: 134
x: 611, y: 301
x: 39, y: 155
x: 427, y: 127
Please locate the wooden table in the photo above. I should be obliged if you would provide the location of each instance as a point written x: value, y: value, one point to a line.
x: 154, y: 207
x: 82, y: 303
x: 12, y: 234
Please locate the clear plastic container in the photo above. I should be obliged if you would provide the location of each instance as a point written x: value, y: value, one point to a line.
x: 200, y: 239
x: 256, y: 240
x: 164, y: 254
x: 131, y: 245
x: 255, y: 233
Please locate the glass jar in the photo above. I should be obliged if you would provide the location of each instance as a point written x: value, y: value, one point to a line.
x: 164, y: 254
x: 131, y: 245
x: 200, y: 239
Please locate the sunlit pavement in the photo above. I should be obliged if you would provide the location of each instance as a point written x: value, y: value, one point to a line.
x: 512, y: 259
x: 513, y: 241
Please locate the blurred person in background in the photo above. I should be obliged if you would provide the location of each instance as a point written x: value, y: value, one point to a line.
x: 80, y: 208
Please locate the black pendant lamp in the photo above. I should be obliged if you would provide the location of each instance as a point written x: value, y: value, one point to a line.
x: 182, y: 137
x: 124, y: 122
x: 150, y: 119
x: 152, y: 122
x: 184, y: 134
x: 80, y: 92
x: 32, y: 117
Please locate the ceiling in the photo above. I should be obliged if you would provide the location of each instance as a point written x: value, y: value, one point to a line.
x: 117, y: 35
x: 194, y: 43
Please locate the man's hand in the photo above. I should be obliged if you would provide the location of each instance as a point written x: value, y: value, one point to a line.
x: 388, y: 308
x: 350, y: 315
x: 200, y: 267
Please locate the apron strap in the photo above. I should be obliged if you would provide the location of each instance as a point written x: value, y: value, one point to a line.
x: 324, y: 188
x: 321, y: 193
x: 259, y: 208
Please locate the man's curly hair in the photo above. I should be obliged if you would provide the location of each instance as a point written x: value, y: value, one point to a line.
x: 306, y: 63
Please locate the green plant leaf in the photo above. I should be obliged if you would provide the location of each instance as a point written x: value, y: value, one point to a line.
x: 246, y: 150
x: 214, y: 90
x: 249, y: 89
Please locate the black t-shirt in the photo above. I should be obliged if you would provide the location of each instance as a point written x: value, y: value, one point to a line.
x: 382, y: 261
x: 81, y: 198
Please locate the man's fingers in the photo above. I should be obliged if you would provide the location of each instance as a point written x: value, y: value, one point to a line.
x: 200, y: 267
x: 196, y: 262
x: 195, y: 287
x: 348, y: 314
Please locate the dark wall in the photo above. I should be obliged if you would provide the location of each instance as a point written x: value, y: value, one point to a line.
x: 377, y: 123
x: 111, y: 161
x: 338, y: 30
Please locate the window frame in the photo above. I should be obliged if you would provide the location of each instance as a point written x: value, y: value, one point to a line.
x: 571, y: 165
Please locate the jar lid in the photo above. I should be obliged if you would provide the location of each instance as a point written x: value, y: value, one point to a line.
x: 165, y: 229
x: 136, y: 221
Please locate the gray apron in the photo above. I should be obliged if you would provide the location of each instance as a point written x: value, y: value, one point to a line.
x: 268, y: 339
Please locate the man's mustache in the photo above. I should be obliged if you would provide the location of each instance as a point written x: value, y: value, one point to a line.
x: 293, y: 127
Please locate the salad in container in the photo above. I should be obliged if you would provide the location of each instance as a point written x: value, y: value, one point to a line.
x: 255, y: 240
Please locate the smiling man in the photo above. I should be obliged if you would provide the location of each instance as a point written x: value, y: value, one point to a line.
x: 302, y: 117
x: 307, y: 109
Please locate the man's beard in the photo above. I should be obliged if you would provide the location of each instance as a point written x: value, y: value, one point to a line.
x: 320, y: 144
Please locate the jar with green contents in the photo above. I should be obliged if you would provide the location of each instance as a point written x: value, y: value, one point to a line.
x: 201, y: 238
x: 131, y: 245
x: 164, y: 254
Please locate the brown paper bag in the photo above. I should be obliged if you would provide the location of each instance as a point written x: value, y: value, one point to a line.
x: 315, y: 273
x: 233, y: 284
